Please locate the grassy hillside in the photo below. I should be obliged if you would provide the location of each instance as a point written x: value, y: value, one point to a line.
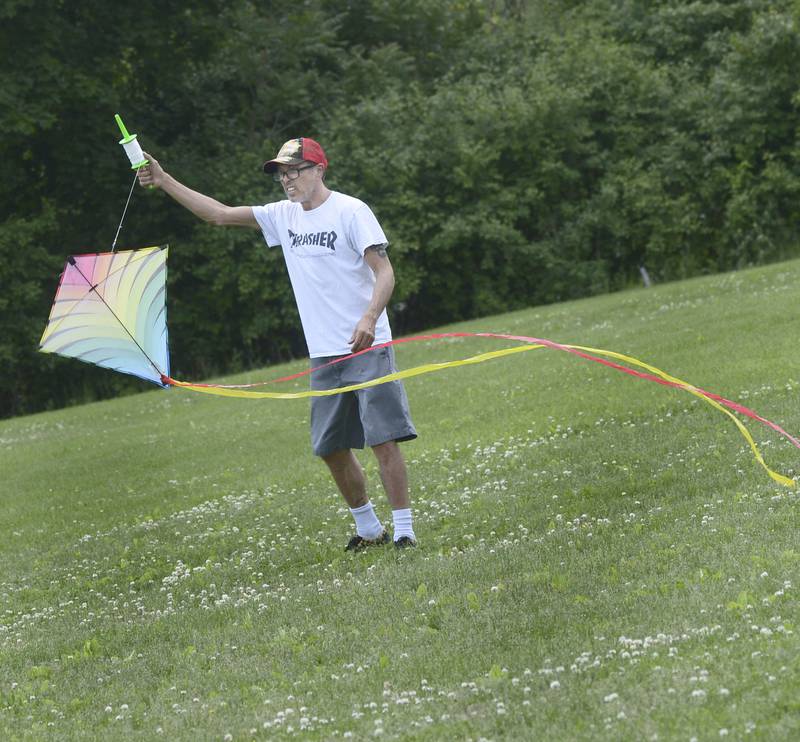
x: 600, y: 557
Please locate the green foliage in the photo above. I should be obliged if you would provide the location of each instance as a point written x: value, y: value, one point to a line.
x: 516, y: 153
x: 23, y: 257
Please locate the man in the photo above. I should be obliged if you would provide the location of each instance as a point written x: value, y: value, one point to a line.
x: 335, y: 252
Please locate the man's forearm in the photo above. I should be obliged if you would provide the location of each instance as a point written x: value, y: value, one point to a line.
x: 364, y: 333
x: 205, y: 207
x: 377, y: 260
x: 381, y: 293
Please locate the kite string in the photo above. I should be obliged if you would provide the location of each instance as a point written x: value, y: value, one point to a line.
x: 124, y: 211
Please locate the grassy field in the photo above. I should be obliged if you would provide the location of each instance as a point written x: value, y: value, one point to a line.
x: 600, y: 558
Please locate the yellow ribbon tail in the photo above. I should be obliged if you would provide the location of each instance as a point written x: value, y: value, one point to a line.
x: 592, y: 354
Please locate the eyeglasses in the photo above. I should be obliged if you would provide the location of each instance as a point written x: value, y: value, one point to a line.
x: 292, y: 173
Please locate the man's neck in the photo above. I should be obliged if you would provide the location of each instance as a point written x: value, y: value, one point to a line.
x: 318, y: 197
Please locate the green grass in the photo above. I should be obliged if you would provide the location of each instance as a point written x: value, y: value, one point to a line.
x: 600, y: 558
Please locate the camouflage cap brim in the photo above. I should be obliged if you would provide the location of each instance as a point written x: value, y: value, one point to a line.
x: 291, y: 153
x: 271, y: 165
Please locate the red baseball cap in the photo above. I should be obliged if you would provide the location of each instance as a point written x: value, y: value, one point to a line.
x: 296, y: 151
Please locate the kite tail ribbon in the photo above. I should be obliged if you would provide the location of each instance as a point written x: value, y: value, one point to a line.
x: 596, y: 355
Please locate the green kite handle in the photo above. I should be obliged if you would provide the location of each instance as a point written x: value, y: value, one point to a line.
x: 125, y: 136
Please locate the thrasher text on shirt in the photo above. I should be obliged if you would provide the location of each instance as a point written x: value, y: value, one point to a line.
x: 320, y: 239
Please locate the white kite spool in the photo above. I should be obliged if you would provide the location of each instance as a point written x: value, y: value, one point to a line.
x: 134, y: 152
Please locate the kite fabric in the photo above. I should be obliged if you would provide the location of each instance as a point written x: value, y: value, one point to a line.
x: 110, y: 310
x: 650, y: 373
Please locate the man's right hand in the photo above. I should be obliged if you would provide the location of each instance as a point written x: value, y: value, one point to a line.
x: 152, y: 174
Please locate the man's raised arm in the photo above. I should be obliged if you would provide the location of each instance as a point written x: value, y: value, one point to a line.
x: 207, y: 208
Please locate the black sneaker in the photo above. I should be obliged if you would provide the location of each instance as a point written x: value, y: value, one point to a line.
x: 404, y: 542
x: 357, y: 542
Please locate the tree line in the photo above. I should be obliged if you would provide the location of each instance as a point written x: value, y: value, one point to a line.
x: 516, y: 153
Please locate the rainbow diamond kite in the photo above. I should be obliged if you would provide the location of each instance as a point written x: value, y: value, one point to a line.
x: 110, y: 310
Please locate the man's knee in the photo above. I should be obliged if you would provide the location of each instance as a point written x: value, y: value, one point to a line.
x: 339, y: 460
x: 388, y: 452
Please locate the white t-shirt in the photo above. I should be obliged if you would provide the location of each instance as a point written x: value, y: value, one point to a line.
x: 324, y: 253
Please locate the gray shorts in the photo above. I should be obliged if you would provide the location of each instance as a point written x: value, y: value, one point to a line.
x: 368, y: 416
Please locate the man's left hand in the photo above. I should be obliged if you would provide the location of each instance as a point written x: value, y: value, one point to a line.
x: 364, y: 334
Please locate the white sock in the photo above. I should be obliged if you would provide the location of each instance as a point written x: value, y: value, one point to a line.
x: 367, y: 523
x: 402, y: 524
